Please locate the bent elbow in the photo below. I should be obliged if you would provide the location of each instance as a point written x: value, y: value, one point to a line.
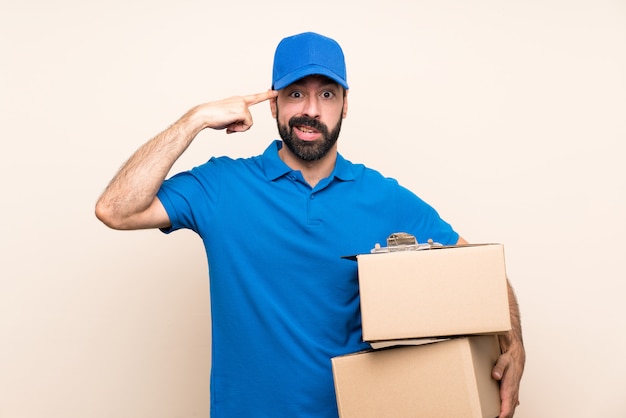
x: 105, y: 214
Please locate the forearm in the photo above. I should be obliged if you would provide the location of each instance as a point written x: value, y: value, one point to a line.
x: 129, y: 201
x: 134, y: 187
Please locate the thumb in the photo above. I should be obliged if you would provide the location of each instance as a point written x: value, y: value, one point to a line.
x: 498, y: 370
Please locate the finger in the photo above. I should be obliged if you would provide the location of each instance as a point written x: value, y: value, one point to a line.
x: 505, y: 411
x: 253, y: 99
x: 498, y: 370
x: 238, y: 127
x: 506, y: 405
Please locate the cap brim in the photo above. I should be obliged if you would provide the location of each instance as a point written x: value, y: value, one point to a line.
x: 300, y: 73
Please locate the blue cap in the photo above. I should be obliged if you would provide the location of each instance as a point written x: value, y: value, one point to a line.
x: 305, y: 54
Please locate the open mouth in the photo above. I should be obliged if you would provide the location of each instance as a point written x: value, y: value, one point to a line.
x: 306, y: 133
x: 307, y: 129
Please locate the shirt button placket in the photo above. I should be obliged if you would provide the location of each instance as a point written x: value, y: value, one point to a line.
x: 312, y: 213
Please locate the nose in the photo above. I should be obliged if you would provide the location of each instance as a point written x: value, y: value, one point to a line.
x: 311, y: 107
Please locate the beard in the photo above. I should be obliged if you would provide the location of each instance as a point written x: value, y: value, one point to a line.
x: 308, y: 150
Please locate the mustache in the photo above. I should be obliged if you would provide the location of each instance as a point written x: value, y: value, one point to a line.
x: 307, y: 121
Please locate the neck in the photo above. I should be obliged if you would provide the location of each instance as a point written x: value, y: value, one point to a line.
x: 312, y: 171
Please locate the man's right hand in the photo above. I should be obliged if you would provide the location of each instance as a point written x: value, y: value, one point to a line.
x: 233, y: 113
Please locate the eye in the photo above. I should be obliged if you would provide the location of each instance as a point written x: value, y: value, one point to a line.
x: 327, y: 94
x: 296, y: 94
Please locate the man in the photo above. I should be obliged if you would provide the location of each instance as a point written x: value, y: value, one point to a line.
x: 274, y: 227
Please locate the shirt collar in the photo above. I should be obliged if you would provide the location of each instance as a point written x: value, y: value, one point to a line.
x: 275, y: 167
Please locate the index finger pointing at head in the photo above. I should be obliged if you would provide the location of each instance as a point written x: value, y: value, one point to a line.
x: 253, y: 99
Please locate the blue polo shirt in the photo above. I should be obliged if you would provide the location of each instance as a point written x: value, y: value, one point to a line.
x: 283, y: 300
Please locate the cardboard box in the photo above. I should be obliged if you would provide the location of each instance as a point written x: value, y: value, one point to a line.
x: 448, y: 291
x: 445, y: 379
x: 416, y: 341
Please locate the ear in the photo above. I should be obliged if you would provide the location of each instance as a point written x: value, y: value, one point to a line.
x: 273, y: 106
x: 345, y: 104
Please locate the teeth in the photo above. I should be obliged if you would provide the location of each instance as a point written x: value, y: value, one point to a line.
x: 306, y: 130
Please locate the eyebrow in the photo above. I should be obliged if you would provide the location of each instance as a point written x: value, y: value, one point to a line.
x: 326, y: 81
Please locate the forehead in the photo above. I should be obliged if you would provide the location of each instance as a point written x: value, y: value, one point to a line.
x: 314, y: 79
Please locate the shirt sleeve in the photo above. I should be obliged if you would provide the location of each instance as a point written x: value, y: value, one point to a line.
x: 420, y: 219
x: 186, y: 194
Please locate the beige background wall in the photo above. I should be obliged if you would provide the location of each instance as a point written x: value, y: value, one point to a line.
x: 508, y: 116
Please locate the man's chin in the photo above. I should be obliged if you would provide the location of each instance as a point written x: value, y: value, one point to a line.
x: 306, y: 150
